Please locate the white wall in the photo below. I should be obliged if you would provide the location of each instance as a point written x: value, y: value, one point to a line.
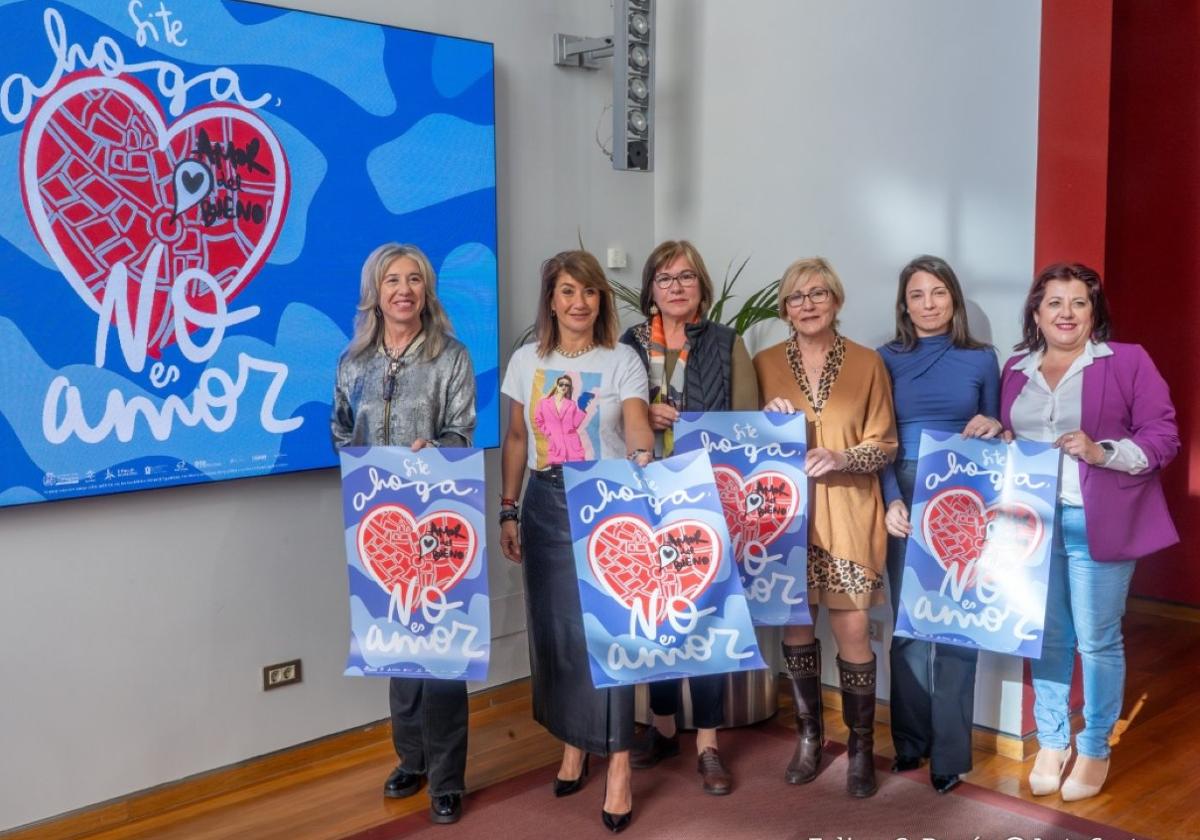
x: 167, y: 603
x: 866, y: 132
x: 863, y: 131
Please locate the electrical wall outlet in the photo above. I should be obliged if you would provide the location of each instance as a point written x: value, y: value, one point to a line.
x: 617, y: 258
x: 281, y: 674
x: 875, y: 630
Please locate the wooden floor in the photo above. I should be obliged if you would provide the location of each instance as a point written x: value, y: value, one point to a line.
x: 1153, y: 789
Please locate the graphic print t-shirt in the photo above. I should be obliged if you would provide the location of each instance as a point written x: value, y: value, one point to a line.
x: 573, y: 405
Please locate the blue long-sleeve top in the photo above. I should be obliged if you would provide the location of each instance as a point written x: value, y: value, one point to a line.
x: 938, y: 387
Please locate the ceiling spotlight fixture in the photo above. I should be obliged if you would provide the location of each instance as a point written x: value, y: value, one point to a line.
x: 638, y: 89
x: 638, y: 57
x: 639, y: 26
x: 638, y: 122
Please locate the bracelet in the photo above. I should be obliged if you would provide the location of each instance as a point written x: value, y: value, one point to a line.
x: 507, y: 502
x: 509, y: 515
x: 632, y: 455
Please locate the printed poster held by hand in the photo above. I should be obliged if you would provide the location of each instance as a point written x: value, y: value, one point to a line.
x: 657, y: 582
x: 758, y: 466
x: 417, y: 562
x: 978, y: 559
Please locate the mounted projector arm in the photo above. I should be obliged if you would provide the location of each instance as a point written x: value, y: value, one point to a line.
x: 573, y: 51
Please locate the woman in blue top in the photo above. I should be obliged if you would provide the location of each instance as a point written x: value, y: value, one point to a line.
x: 942, y: 380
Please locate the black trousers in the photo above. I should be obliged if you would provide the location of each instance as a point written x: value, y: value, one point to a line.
x: 598, y: 720
x: 933, y: 685
x: 708, y: 699
x: 429, y: 730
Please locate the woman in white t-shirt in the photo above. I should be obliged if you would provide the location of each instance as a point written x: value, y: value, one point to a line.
x: 575, y: 395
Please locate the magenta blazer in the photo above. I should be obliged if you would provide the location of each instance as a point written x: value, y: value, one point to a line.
x: 1124, y: 396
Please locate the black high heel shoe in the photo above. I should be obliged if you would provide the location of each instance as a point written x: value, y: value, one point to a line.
x: 616, y: 823
x: 565, y: 787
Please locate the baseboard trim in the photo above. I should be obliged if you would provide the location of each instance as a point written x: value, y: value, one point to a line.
x: 144, y: 804
x: 1163, y: 609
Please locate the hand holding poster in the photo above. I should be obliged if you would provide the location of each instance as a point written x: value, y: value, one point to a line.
x: 758, y: 465
x: 419, y: 603
x: 978, y: 559
x: 656, y: 582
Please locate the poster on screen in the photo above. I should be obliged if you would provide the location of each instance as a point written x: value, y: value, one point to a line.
x: 195, y: 187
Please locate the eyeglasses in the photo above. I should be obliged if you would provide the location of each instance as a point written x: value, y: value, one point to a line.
x: 687, y: 279
x: 796, y: 299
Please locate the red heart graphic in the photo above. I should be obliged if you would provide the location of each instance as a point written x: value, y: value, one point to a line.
x: 99, y: 183
x: 400, y: 551
x: 759, y: 509
x: 968, y: 538
x: 641, y: 567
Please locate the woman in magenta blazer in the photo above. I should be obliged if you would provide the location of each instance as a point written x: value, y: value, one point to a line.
x: 1108, y: 408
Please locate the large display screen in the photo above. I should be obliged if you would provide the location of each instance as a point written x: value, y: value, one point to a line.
x: 190, y: 189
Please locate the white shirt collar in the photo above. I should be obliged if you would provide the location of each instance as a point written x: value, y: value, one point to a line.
x: 1091, y: 351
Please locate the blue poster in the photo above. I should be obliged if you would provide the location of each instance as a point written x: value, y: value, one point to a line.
x: 758, y: 464
x: 192, y: 187
x: 415, y: 552
x: 978, y: 558
x: 657, y: 585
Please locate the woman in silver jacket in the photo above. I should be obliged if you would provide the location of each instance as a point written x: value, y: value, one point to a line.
x: 404, y: 380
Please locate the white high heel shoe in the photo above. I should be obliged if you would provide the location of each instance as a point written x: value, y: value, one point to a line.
x: 1074, y: 788
x: 1048, y: 770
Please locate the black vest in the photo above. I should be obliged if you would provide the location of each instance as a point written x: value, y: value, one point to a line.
x: 708, y: 379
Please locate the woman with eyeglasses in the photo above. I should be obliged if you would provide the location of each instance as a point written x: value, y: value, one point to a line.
x: 843, y: 390
x: 604, y: 409
x: 943, y: 380
x: 404, y: 380
x: 693, y: 364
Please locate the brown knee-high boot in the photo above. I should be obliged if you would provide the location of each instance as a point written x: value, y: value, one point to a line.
x: 858, y: 713
x: 804, y: 665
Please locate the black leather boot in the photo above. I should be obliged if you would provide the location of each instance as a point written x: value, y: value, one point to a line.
x: 804, y: 665
x: 858, y: 713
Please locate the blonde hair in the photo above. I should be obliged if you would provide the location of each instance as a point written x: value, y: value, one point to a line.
x: 799, y: 270
x: 584, y: 269
x: 368, y: 323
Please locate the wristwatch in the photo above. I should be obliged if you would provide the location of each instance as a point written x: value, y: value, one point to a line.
x: 1109, y: 450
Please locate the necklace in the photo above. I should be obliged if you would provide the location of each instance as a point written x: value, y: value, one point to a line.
x: 397, y: 356
x: 574, y: 354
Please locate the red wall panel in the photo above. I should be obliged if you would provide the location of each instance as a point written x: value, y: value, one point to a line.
x: 1073, y: 129
x: 1153, y: 242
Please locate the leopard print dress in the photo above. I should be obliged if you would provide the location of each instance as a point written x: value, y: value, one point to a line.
x: 838, y: 582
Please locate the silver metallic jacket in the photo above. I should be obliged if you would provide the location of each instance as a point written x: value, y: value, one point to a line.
x: 434, y: 400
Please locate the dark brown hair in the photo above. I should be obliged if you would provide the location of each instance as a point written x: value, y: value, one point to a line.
x: 1032, y: 338
x: 960, y: 331
x: 584, y: 269
x: 665, y: 254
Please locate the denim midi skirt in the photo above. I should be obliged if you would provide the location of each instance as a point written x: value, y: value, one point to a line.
x: 597, y: 720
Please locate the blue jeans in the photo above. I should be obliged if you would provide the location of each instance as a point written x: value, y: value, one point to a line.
x: 1084, y: 606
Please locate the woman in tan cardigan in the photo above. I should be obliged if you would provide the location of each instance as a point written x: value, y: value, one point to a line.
x: 843, y: 390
